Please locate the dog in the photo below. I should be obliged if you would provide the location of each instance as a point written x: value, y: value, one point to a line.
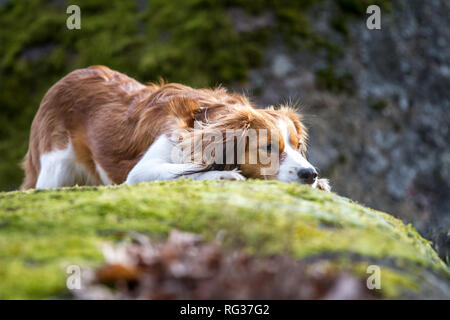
x: 97, y: 126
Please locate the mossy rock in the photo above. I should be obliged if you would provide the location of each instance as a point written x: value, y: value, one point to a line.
x: 42, y: 232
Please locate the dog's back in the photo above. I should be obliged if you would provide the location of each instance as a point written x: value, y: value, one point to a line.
x: 65, y: 117
x: 94, y: 125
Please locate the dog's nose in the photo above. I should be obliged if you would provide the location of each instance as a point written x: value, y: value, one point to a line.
x: 307, y: 175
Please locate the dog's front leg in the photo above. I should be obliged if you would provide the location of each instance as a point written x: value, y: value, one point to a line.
x: 152, y: 170
x: 168, y: 171
x: 156, y: 164
x: 216, y: 175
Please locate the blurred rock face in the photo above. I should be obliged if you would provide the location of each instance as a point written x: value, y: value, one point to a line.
x: 385, y: 144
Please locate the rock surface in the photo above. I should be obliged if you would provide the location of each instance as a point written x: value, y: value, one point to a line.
x: 385, y: 144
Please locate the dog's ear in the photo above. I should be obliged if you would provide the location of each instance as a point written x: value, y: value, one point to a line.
x: 297, y: 131
x: 295, y: 116
x: 297, y: 119
x: 223, y: 139
x: 219, y: 141
x: 184, y: 110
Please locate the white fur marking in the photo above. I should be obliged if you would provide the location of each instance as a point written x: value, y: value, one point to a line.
x: 60, y: 169
x: 103, y: 175
x: 294, y: 160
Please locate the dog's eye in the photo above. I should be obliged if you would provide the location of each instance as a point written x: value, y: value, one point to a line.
x: 269, y: 148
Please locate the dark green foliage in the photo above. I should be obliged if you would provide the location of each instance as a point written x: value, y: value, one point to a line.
x: 379, y: 105
x: 358, y: 7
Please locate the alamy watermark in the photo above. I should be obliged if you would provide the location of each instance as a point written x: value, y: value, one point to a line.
x: 74, y: 20
x: 74, y: 273
x: 374, y: 20
x: 228, y: 147
x: 374, y: 280
x: 73, y: 281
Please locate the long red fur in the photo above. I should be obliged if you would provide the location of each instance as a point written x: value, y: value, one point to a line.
x: 112, y: 119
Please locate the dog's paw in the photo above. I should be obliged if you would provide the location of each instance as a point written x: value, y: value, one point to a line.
x: 223, y: 175
x: 232, y: 175
x: 323, y: 184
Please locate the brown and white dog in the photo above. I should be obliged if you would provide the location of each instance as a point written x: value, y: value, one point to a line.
x: 97, y: 126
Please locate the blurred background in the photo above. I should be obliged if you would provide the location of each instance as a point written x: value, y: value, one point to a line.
x: 377, y: 102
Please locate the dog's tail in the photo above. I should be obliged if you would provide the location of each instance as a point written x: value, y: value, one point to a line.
x: 31, y: 172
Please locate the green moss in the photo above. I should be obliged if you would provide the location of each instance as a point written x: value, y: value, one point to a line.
x: 393, y: 282
x: 42, y: 232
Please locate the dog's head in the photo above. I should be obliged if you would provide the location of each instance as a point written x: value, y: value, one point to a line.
x: 293, y: 165
x: 286, y: 150
x: 267, y: 144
